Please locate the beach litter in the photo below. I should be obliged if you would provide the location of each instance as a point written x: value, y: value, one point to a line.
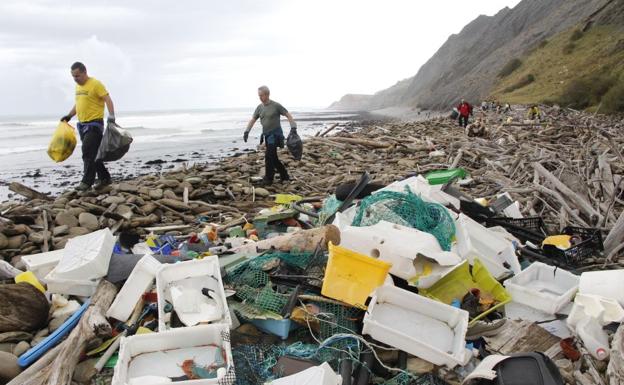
x: 380, y: 263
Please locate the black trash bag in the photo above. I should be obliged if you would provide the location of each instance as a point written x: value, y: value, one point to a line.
x: 115, y: 143
x: 294, y: 144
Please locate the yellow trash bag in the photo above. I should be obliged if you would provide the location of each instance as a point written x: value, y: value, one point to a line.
x: 63, y: 142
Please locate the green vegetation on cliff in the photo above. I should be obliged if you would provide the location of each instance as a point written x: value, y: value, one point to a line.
x: 582, y: 70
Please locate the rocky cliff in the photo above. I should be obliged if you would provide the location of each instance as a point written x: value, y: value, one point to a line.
x: 467, y: 64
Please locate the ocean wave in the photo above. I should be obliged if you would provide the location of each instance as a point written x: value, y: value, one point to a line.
x: 21, y: 150
x: 15, y: 124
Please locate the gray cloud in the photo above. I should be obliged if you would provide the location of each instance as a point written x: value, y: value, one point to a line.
x: 201, y: 54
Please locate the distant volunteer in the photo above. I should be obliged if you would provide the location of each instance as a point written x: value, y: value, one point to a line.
x: 465, y: 110
x: 269, y: 112
x: 534, y: 113
x: 91, y: 96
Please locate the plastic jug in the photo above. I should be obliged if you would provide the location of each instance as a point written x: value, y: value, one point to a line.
x: 29, y: 277
x: 594, y: 338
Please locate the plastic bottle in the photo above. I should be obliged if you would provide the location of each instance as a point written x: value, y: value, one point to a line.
x: 594, y: 338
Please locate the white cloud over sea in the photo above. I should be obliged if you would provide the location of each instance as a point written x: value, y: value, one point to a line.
x: 157, y: 54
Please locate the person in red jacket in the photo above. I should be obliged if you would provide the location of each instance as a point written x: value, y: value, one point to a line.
x: 465, y: 110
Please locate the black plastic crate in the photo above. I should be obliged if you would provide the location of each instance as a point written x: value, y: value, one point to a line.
x: 525, y: 229
x: 590, y: 245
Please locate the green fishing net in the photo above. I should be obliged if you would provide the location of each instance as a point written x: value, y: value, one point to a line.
x: 407, y: 209
x: 330, y: 206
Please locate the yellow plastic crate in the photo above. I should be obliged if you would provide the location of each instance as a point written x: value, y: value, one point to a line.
x: 351, y: 277
x: 459, y: 281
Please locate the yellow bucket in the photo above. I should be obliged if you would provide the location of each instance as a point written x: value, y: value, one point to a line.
x: 458, y: 282
x: 29, y: 277
x: 351, y: 277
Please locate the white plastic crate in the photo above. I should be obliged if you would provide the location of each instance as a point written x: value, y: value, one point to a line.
x: 543, y: 287
x: 154, y: 358
x: 183, y: 282
x: 140, y: 280
x: 420, y: 326
x: 43, y: 263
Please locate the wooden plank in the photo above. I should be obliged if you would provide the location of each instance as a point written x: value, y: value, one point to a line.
x: 167, y: 228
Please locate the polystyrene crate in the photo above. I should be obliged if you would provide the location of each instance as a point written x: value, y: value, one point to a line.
x: 474, y: 240
x: 43, y: 263
x: 420, y: 326
x: 87, y: 256
x: 154, y: 358
x: 543, y: 287
x: 410, y: 251
x: 140, y: 280
x: 193, y: 275
x: 79, y: 287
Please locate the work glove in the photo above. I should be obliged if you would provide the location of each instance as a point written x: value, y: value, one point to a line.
x: 111, y: 119
x: 246, y: 136
x: 66, y: 118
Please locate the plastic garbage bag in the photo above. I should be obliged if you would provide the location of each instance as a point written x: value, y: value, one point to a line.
x: 294, y: 144
x: 115, y: 143
x: 63, y: 142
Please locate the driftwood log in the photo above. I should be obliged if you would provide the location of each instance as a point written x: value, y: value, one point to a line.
x: 28, y: 192
x: 93, y: 324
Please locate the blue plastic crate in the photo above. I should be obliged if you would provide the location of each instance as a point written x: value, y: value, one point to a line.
x: 280, y: 328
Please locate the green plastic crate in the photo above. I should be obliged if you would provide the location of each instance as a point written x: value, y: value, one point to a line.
x: 443, y: 176
x: 459, y: 281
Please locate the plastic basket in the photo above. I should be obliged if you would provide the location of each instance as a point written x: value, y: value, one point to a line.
x: 351, y: 277
x: 590, y: 245
x: 280, y: 328
x: 458, y: 282
x: 525, y: 229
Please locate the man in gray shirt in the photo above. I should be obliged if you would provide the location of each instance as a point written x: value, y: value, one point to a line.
x: 269, y: 113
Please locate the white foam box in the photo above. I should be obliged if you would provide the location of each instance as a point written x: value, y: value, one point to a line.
x: 79, y: 287
x: 87, y: 256
x: 410, y: 251
x: 43, y: 263
x: 196, y: 275
x: 153, y: 358
x: 492, y: 248
x: 428, y: 329
x: 139, y: 281
x: 543, y: 287
x: 604, y: 310
x: 317, y: 375
x: 607, y: 283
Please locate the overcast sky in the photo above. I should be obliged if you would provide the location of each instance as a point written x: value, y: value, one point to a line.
x: 157, y: 54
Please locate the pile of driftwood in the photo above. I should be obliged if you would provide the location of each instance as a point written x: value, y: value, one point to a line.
x: 568, y: 169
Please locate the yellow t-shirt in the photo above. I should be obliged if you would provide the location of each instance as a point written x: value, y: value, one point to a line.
x: 89, y: 100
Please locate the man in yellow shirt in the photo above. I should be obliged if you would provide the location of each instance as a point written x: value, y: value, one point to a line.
x: 91, y: 96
